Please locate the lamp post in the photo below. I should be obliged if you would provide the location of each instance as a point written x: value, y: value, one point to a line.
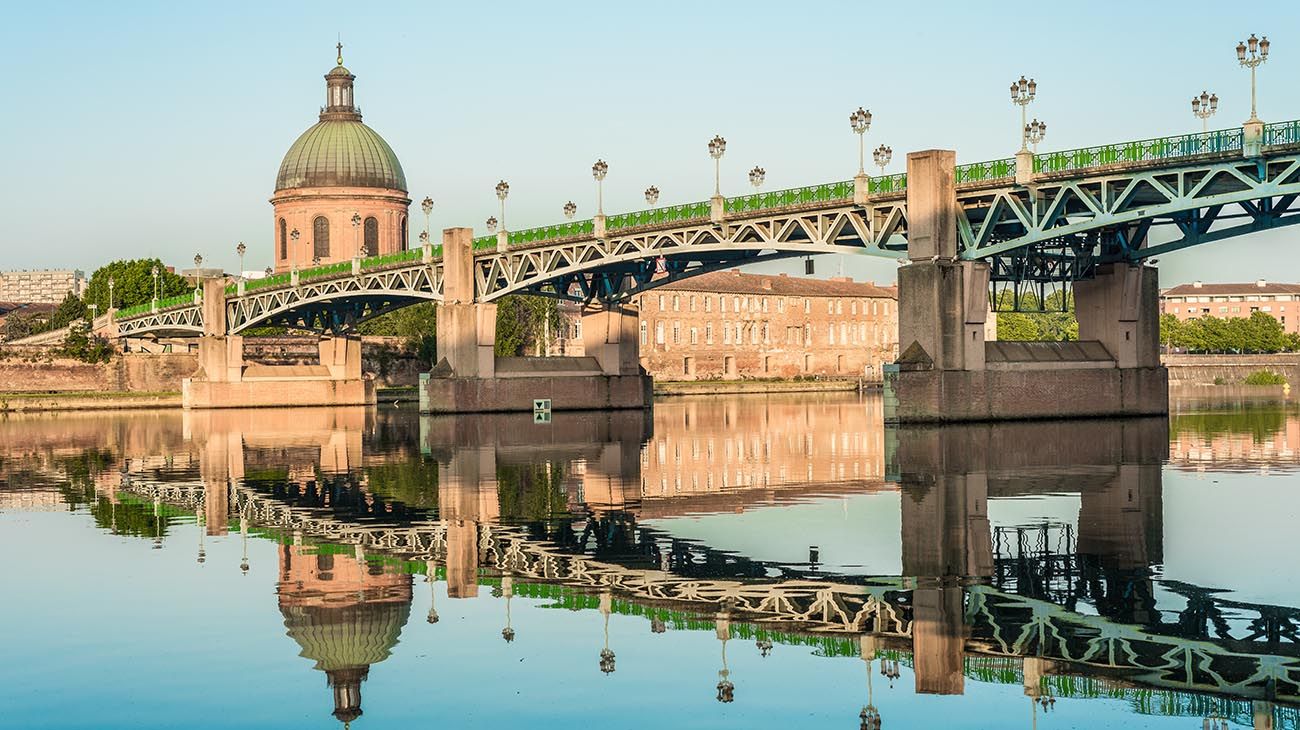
x: 1204, y: 107
x: 882, y: 157
x: 155, y: 282
x: 356, y: 236
x: 757, y: 176
x: 599, y: 171
x: 240, y: 249
x: 860, y: 122
x: 198, y: 263
x: 1022, y: 94
x: 570, y: 209
x: 426, y: 205
x: 1034, y: 133
x: 606, y: 654
x: 717, y: 148
x: 110, y: 293
x: 491, y: 223
x: 294, y: 260
x: 651, y: 195
x: 1251, y: 53
x: 503, y: 189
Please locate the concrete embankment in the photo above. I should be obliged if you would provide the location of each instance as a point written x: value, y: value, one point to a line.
x: 717, y: 387
x: 1229, y: 369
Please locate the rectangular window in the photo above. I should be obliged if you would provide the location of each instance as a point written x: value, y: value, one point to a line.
x: 695, y: 336
x: 735, y: 304
x: 807, y: 306
x: 830, y: 307
x: 766, y: 335
x: 853, y: 307
x: 661, y: 302
x: 740, y: 332
x: 692, y: 302
x: 708, y: 332
x: 677, y: 303
x: 708, y: 304
x: 677, y: 333
x: 780, y: 305
x: 839, y: 306
x: 659, y: 332
x: 764, y: 305
x: 722, y: 304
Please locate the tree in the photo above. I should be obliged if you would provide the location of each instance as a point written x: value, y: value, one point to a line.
x: 524, y: 323
x: 70, y: 310
x: 1171, y: 331
x: 416, y: 324
x: 18, y: 326
x: 132, y: 283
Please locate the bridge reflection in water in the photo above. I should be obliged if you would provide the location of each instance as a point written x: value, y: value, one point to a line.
x: 563, y: 512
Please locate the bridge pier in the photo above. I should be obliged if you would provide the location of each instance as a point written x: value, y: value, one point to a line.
x: 947, y: 372
x: 224, y: 380
x: 470, y: 378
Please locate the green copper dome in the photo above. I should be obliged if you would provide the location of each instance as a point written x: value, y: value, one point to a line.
x: 340, y: 153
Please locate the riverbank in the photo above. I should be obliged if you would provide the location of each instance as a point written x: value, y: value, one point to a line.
x: 719, y: 387
x: 87, y: 401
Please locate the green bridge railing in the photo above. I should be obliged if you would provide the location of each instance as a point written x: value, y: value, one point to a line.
x: 1148, y: 150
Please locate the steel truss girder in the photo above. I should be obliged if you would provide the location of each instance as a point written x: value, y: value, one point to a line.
x: 574, y: 269
x: 1127, y: 203
x: 180, y: 321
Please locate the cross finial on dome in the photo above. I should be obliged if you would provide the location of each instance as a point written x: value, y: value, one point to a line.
x: 340, y: 47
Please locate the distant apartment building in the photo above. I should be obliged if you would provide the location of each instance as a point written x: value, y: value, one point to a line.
x: 1189, y: 301
x: 732, y: 325
x: 40, y: 287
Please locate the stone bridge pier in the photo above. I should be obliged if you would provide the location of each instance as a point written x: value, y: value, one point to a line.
x: 470, y: 378
x: 946, y: 371
x: 225, y: 380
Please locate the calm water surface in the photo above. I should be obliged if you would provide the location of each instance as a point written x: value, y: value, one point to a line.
x: 729, y: 562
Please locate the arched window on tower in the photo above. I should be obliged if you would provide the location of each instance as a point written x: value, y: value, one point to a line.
x: 284, y: 241
x: 402, y: 243
x: 320, y: 232
x: 371, y: 247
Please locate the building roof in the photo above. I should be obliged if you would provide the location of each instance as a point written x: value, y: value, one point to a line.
x: 340, y: 153
x: 734, y: 282
x: 1246, y: 289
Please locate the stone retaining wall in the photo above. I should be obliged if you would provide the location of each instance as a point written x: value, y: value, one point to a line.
x: 1204, y: 369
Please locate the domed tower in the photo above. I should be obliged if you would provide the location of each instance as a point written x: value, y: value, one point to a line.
x: 337, y: 170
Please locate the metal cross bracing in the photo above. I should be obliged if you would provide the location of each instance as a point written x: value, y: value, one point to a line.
x: 336, y: 304
x: 630, y: 262
x: 998, y: 624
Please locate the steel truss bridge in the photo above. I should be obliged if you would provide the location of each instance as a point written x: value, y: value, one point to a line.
x: 997, y: 623
x: 1038, y: 230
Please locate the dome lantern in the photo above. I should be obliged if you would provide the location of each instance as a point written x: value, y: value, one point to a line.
x: 338, y: 94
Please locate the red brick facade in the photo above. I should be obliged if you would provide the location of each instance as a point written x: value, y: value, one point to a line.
x: 1189, y: 301
x: 733, y: 325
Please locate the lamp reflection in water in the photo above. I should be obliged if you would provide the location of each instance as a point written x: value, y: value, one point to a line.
x: 726, y: 689
x: 606, y: 655
x: 431, y: 577
x: 869, y: 717
x: 508, y: 590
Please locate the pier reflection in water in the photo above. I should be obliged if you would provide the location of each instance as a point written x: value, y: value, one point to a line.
x: 1029, y: 560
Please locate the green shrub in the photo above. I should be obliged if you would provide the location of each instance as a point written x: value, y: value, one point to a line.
x: 1218, y: 380
x: 1265, y: 377
x: 86, y: 348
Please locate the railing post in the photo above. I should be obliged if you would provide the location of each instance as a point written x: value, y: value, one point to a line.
x: 239, y: 286
x: 356, y: 266
x: 426, y: 253
x: 503, y: 241
x: 153, y: 306
x: 293, y: 278
x: 1252, y: 138
x: 598, y: 224
x: 861, y: 189
x: 717, y: 209
x: 1024, y: 167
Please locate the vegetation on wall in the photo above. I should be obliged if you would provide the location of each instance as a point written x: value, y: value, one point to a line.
x: 1056, y: 322
x: 526, y: 325
x: 132, y: 283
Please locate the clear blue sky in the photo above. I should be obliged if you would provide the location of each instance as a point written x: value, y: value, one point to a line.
x: 157, y: 128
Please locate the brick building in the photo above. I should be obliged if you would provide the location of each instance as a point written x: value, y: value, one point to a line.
x: 1189, y: 301
x: 40, y: 287
x: 732, y: 325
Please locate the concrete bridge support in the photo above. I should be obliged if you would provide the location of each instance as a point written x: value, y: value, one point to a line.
x: 467, y: 496
x: 224, y: 380
x: 469, y: 378
x: 947, y: 372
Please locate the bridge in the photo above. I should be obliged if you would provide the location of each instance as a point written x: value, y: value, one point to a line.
x: 1080, y: 220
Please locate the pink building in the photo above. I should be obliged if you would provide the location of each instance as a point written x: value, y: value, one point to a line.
x: 1189, y: 301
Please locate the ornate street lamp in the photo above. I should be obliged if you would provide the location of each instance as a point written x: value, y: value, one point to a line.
x: 198, y: 262
x: 294, y: 259
x: 599, y: 171
x: 1251, y: 53
x: 243, y: 539
x: 1034, y: 133
x: 491, y: 224
x: 508, y: 589
x: 110, y: 292
x: 757, y: 176
x: 860, y: 122
x: 1022, y: 93
x: 424, y: 237
x: 503, y: 189
x: 651, y: 195
x: 240, y: 249
x: 1204, y: 107
x: 882, y: 157
x: 356, y: 237
x: 764, y: 647
x: 430, y: 577
x: 155, y: 282
x: 427, y: 206
x: 606, y: 654
x: 570, y: 209
x: 726, y: 689
x: 717, y: 148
